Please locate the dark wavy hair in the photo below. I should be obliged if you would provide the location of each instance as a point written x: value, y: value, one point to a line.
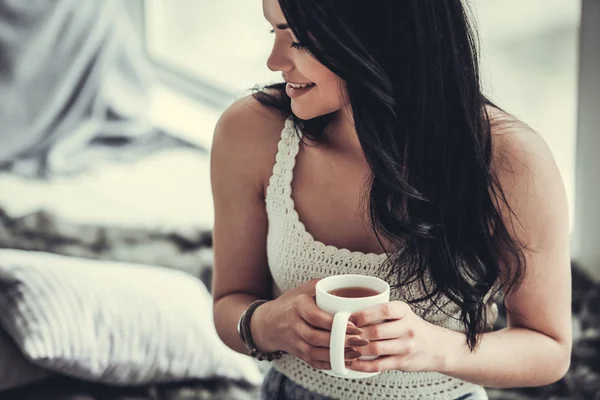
x: 410, y: 69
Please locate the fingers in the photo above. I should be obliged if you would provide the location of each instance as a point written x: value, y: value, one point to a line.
x: 386, y: 347
x: 380, y: 364
x: 318, y: 357
x: 387, y: 330
x: 387, y: 352
x: 387, y: 338
x: 320, y: 338
x: 314, y: 337
x: 320, y: 365
x: 310, y: 313
x: 393, y: 310
x: 309, y: 287
x: 311, y: 353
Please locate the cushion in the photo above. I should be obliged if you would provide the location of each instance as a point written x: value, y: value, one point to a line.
x: 15, y: 369
x: 115, y: 323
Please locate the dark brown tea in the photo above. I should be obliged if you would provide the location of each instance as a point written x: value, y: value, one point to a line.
x: 353, y: 292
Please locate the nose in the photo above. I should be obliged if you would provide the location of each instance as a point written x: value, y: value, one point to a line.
x: 279, y: 60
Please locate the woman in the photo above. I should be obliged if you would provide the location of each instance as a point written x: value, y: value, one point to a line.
x: 379, y: 155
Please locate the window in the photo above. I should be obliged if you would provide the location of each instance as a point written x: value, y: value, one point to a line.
x: 529, y: 56
x: 225, y: 42
x: 530, y: 67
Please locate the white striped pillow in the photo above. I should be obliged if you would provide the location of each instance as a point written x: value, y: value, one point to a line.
x: 114, y: 323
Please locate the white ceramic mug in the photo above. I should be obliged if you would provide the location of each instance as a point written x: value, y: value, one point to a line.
x: 342, y: 308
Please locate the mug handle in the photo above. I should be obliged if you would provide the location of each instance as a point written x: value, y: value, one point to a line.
x: 337, y: 342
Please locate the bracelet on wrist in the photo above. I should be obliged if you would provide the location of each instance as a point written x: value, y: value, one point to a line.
x: 246, y: 335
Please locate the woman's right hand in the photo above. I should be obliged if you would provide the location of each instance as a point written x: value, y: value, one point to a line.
x: 293, y: 323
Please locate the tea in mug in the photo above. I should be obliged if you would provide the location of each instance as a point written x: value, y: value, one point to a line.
x: 354, y: 292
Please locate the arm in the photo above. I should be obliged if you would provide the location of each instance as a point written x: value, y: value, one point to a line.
x: 535, y: 348
x: 242, y: 155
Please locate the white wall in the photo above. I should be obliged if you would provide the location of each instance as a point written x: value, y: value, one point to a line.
x: 586, y: 235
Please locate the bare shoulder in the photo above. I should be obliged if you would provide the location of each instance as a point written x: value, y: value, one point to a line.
x: 245, y: 138
x: 530, y: 179
x: 519, y: 150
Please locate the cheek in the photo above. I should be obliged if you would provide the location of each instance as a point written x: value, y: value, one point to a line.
x: 330, y: 87
x: 316, y: 72
x: 331, y: 94
x: 328, y: 95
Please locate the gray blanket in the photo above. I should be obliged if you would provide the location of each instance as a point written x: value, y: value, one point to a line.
x: 60, y: 388
x: 74, y: 85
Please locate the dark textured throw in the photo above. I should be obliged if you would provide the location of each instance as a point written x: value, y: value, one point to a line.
x: 582, y: 381
x: 71, y: 389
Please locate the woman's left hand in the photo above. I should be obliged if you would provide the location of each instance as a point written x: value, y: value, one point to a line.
x: 404, y: 341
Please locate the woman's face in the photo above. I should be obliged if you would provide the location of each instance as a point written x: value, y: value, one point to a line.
x: 323, y: 95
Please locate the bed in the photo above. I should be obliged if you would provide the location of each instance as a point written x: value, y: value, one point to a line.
x: 156, y: 209
x: 155, y: 213
x: 61, y: 388
x: 105, y: 221
x: 129, y: 212
x: 96, y: 199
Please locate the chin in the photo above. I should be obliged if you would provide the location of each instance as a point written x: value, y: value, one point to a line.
x: 306, y: 113
x: 303, y: 112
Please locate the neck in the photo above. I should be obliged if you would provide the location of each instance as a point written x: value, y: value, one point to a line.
x: 341, y: 134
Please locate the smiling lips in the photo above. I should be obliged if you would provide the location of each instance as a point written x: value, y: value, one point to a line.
x: 300, y: 85
x: 298, y: 89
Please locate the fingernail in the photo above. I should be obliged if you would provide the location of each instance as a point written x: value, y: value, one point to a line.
x: 348, y: 363
x: 352, y: 330
x: 352, y: 355
x: 348, y: 350
x: 358, y: 342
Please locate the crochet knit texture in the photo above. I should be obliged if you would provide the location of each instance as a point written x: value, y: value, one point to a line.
x: 295, y: 257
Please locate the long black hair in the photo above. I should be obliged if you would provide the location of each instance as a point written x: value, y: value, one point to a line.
x: 411, y: 75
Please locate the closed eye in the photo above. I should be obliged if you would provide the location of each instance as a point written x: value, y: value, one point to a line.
x: 297, y: 45
x: 294, y: 45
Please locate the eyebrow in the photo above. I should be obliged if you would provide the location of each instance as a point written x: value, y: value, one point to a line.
x: 279, y: 26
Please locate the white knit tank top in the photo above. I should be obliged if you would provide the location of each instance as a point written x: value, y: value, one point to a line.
x: 295, y: 257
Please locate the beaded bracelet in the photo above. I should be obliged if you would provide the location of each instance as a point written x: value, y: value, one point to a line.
x: 247, y: 335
